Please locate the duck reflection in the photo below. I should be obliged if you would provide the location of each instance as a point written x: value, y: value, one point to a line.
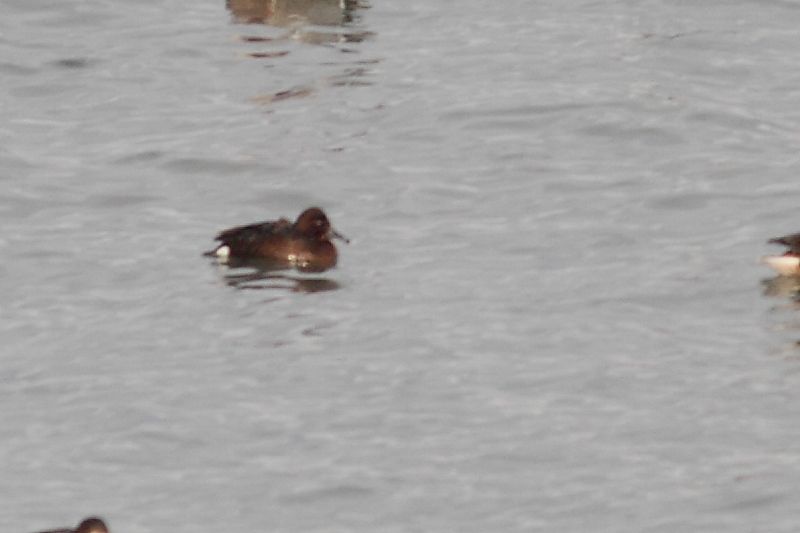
x: 298, y: 15
x: 787, y: 287
x: 253, y: 274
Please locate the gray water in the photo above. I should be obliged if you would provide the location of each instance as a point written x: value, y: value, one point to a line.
x: 551, y: 316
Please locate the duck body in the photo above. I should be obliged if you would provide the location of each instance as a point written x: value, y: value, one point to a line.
x: 787, y: 264
x: 305, y: 244
x: 90, y: 525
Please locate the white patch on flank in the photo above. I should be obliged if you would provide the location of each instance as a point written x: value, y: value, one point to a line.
x: 223, y: 252
x: 785, y: 265
x: 292, y: 259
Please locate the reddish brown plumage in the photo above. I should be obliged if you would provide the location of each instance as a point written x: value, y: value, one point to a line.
x: 305, y: 244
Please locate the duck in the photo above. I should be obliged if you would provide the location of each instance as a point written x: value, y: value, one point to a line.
x: 92, y: 524
x: 304, y: 244
x: 787, y: 264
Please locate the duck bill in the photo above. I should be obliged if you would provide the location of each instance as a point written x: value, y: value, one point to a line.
x: 336, y: 235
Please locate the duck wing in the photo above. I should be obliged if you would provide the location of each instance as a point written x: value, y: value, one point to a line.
x: 244, y: 240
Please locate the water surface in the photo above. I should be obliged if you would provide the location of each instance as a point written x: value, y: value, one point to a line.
x: 551, y: 316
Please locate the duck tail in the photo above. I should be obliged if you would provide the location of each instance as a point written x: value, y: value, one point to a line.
x: 222, y: 251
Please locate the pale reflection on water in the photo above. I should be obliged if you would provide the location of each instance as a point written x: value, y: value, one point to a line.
x: 331, y: 23
x: 299, y: 16
x: 785, y: 291
x: 782, y: 287
x: 289, y: 12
